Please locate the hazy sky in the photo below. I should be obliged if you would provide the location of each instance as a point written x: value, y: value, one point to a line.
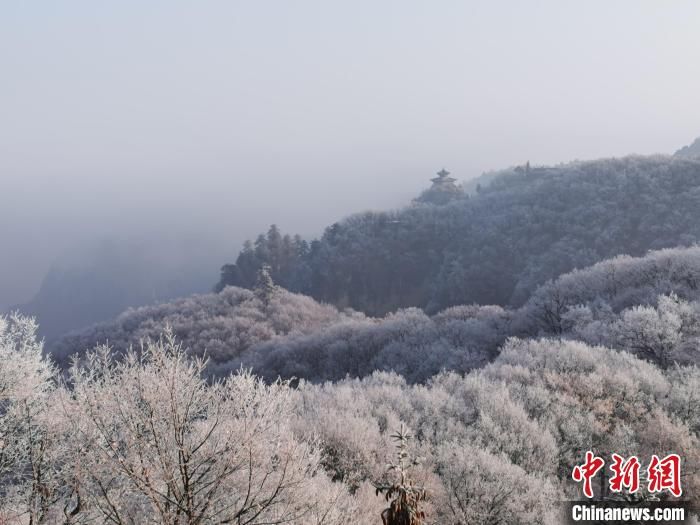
x: 207, y: 117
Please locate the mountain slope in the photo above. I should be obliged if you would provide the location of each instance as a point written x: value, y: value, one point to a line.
x: 220, y: 326
x: 690, y: 151
x: 101, y: 280
x: 648, y: 306
x: 527, y: 226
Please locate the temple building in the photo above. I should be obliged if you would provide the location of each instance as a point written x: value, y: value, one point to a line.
x: 443, y: 190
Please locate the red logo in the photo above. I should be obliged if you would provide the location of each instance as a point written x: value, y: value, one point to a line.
x: 626, y: 474
x: 587, y: 471
x: 662, y: 474
x: 665, y: 474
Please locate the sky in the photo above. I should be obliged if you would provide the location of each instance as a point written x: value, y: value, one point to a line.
x: 214, y: 119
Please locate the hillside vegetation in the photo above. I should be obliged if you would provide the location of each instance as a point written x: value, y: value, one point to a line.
x: 264, y: 405
x: 690, y: 151
x: 147, y: 439
x: 221, y: 325
x: 525, y: 227
x: 648, y: 306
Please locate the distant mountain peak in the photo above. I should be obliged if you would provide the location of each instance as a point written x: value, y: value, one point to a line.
x: 692, y: 150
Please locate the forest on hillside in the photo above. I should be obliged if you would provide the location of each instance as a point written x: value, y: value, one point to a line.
x: 477, y: 347
x: 147, y: 436
x: 648, y: 306
x: 360, y: 262
x: 523, y: 227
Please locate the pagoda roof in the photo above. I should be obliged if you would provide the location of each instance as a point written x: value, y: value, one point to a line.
x: 443, y: 176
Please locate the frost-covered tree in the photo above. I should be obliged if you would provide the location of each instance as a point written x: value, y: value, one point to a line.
x: 265, y: 288
x: 594, y: 398
x: 31, y: 446
x: 157, y: 443
x: 524, y: 227
x: 146, y: 436
x: 684, y: 397
x: 649, y: 306
x: 653, y: 333
x: 485, y: 488
x: 222, y: 326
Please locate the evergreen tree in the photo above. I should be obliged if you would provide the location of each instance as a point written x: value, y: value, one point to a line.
x: 265, y: 287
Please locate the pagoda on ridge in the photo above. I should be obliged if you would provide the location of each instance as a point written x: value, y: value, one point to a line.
x: 442, y: 191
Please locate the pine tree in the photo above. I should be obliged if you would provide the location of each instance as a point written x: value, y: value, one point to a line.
x: 265, y: 287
